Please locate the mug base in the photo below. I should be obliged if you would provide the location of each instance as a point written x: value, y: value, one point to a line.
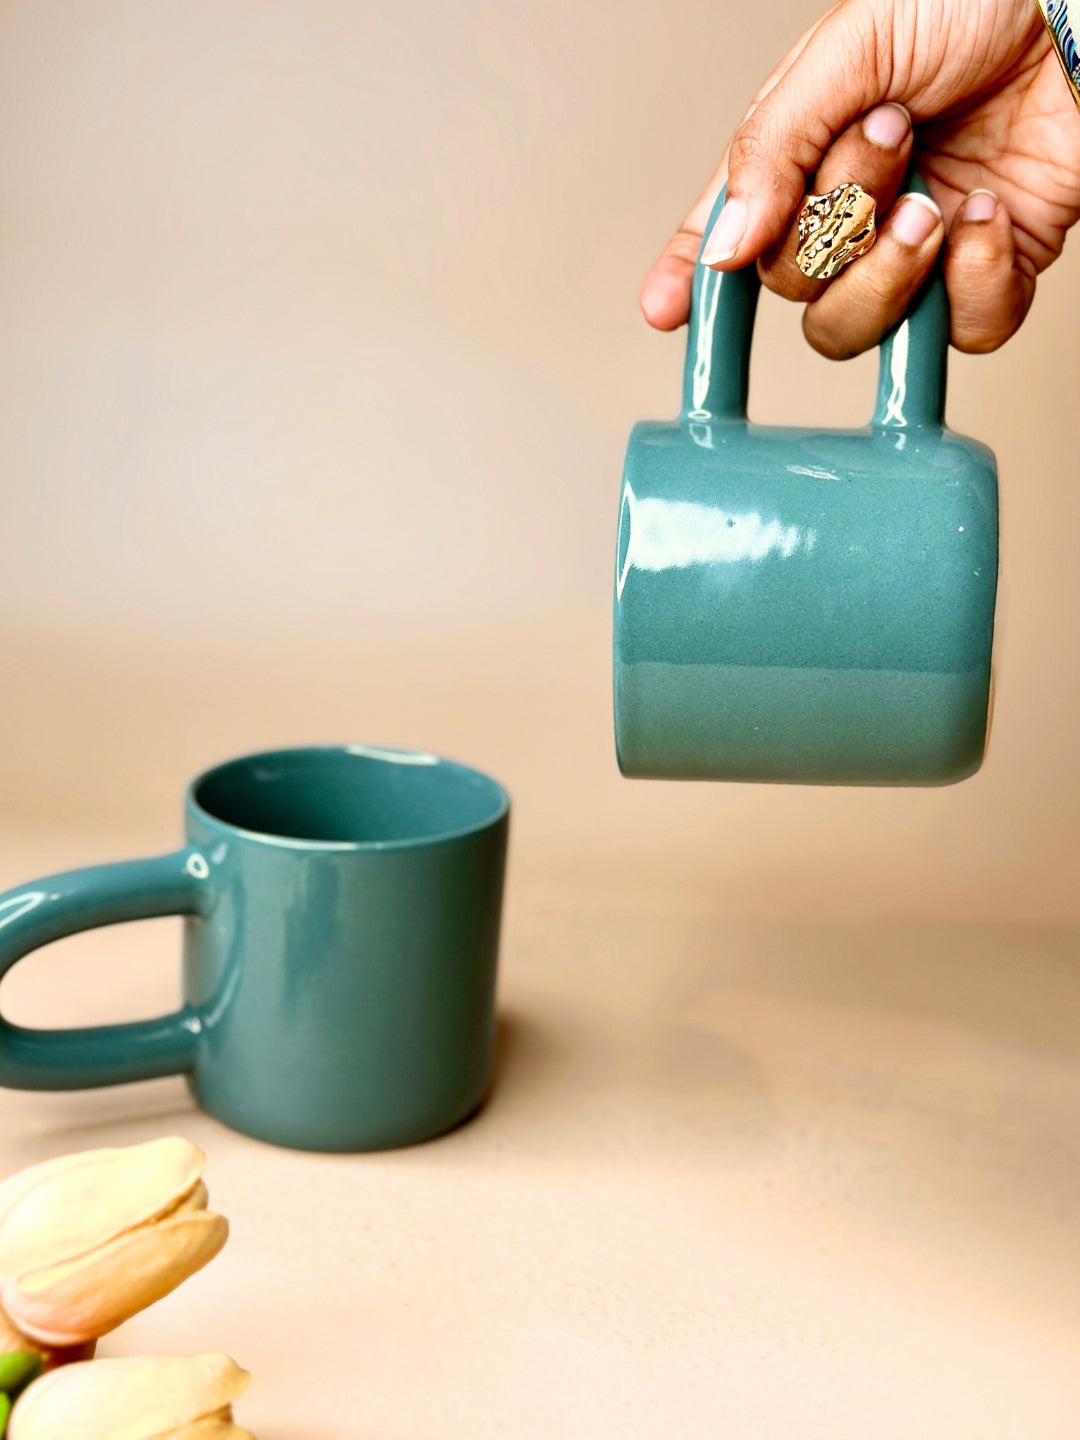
x: 799, y: 726
x: 337, y: 1137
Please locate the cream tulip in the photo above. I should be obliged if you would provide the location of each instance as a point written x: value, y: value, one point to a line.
x: 88, y: 1240
x: 175, y: 1398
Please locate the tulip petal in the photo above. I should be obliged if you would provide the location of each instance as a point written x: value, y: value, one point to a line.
x: 67, y: 1208
x: 131, y: 1399
x: 197, y: 1200
x: 209, y: 1429
x: 10, y: 1338
x: 16, y: 1185
x: 90, y: 1296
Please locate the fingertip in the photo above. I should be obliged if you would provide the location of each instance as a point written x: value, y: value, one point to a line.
x: 723, y: 240
x: 981, y: 234
x: 888, y: 126
x: 831, y: 341
x: 980, y: 207
x: 915, y: 220
x: 665, y: 296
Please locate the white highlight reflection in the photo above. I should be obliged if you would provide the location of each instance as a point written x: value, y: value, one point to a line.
x: 894, y: 410
x: 393, y: 757
x: 815, y: 472
x: 674, y: 534
x: 16, y: 906
x: 708, y: 298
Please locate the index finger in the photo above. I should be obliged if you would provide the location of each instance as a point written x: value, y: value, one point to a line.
x: 782, y: 140
x: 665, y: 293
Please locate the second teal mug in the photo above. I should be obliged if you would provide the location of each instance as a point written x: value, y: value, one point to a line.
x: 806, y: 605
x: 342, y: 910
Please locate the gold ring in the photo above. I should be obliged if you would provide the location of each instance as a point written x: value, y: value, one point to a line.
x: 835, y: 229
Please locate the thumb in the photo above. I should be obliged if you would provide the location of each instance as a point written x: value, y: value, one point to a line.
x: 781, y: 140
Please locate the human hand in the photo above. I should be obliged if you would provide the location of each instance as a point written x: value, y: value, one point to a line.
x: 996, y: 136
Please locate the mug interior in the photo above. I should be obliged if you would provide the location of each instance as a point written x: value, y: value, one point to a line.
x: 353, y: 795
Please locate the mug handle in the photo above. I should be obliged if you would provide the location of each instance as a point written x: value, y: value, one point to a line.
x: 45, y: 910
x: 716, y: 380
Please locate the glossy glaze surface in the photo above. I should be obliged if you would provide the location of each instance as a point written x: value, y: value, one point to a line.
x: 805, y: 605
x: 339, y: 963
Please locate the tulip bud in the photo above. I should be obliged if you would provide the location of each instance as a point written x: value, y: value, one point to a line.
x: 182, y: 1397
x: 88, y: 1240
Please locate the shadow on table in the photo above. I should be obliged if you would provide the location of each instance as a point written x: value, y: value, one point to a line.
x: 53, y: 1122
x: 577, y: 1085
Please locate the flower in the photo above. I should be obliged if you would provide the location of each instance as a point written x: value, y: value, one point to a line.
x: 183, y: 1397
x: 88, y: 1240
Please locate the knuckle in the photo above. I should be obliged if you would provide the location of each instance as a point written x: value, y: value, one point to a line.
x: 751, y: 147
x: 782, y: 157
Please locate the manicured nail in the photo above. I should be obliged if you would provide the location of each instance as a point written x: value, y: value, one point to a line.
x: 915, y: 220
x: 981, y: 205
x: 725, y: 235
x: 887, y: 126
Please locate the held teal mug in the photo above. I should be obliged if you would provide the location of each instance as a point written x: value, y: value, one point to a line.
x: 341, y: 926
x: 805, y: 605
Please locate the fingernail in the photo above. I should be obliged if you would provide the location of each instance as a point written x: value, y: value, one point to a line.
x: 725, y: 235
x: 915, y: 220
x: 887, y: 126
x: 980, y: 205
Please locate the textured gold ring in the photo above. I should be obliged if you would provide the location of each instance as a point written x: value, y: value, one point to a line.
x: 835, y: 229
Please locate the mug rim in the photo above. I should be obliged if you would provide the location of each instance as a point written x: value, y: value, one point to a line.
x: 406, y: 756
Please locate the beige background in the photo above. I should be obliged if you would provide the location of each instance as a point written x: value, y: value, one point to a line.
x: 320, y: 340
x: 318, y: 351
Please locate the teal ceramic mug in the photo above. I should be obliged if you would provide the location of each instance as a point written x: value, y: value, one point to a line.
x: 805, y: 605
x: 341, y: 925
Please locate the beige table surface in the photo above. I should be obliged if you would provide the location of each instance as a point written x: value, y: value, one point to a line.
x: 783, y: 1140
